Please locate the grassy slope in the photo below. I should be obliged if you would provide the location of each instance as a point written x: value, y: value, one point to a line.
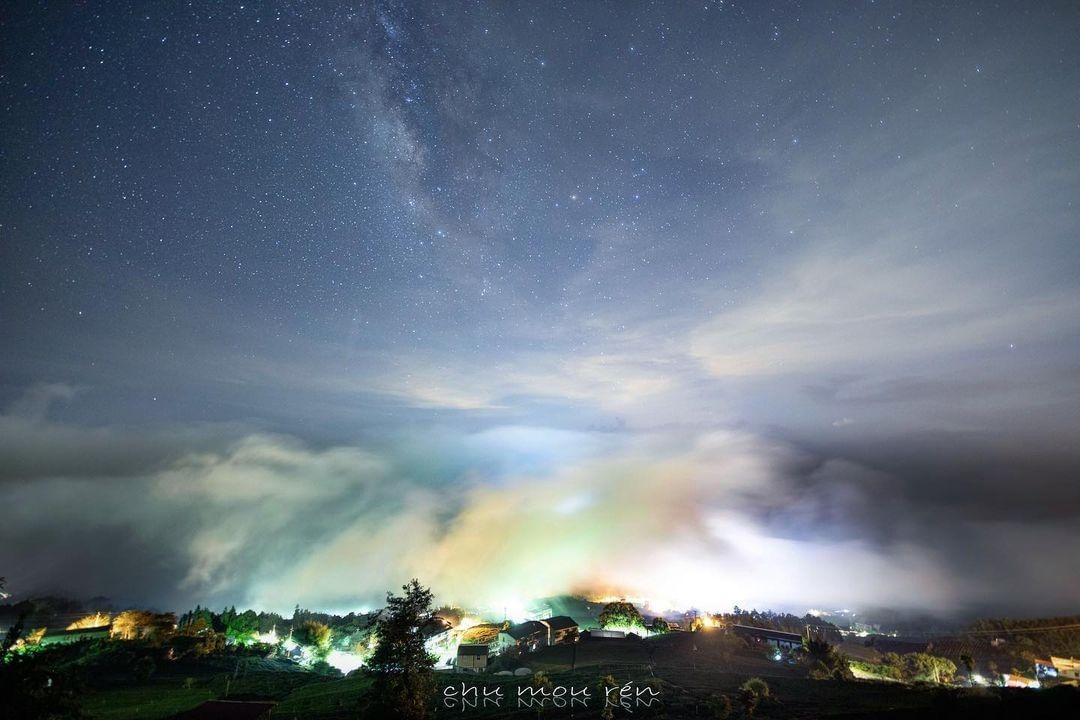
x: 149, y: 702
x: 176, y: 689
x: 330, y: 699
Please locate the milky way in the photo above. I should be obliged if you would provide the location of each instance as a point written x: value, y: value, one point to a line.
x: 298, y: 302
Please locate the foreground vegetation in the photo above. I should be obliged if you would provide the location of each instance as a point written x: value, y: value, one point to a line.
x: 152, y: 669
x: 685, y: 693
x: 697, y: 675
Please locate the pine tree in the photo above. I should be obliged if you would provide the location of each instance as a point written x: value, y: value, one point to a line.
x: 403, y: 668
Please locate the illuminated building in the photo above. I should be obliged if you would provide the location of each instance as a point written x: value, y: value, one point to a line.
x: 472, y: 658
x: 560, y: 629
x: 781, y: 640
x: 57, y: 636
x: 529, y: 635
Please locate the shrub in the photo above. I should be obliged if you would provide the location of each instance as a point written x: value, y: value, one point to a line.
x: 752, y: 692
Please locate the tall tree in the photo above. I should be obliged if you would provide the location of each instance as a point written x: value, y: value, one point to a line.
x: 404, y: 670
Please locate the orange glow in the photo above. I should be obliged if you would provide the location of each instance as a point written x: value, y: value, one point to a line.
x: 98, y: 619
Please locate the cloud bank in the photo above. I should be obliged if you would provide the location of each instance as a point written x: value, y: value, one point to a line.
x: 501, y: 516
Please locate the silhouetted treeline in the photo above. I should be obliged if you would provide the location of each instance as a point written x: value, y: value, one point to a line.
x: 1042, y: 636
x: 234, y: 623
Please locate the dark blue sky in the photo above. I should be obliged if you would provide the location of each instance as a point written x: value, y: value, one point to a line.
x: 816, y: 265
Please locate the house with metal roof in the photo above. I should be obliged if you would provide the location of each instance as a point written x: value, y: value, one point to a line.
x: 472, y: 658
x: 560, y: 629
x: 528, y: 635
x: 60, y: 636
x: 780, y: 639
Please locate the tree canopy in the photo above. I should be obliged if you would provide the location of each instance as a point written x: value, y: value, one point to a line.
x: 826, y: 661
x: 621, y: 614
x: 315, y: 635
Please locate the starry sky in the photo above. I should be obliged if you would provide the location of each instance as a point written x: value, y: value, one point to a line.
x: 710, y: 303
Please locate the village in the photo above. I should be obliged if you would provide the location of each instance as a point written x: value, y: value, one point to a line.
x: 616, y: 631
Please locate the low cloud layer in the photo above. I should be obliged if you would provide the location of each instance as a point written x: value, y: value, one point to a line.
x: 707, y: 520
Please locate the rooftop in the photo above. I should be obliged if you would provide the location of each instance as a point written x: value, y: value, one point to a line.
x: 767, y: 633
x: 472, y: 650
x: 1067, y: 664
x: 526, y: 629
x: 560, y: 622
x: 102, y: 630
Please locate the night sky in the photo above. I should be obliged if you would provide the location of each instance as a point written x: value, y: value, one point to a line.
x: 710, y: 303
